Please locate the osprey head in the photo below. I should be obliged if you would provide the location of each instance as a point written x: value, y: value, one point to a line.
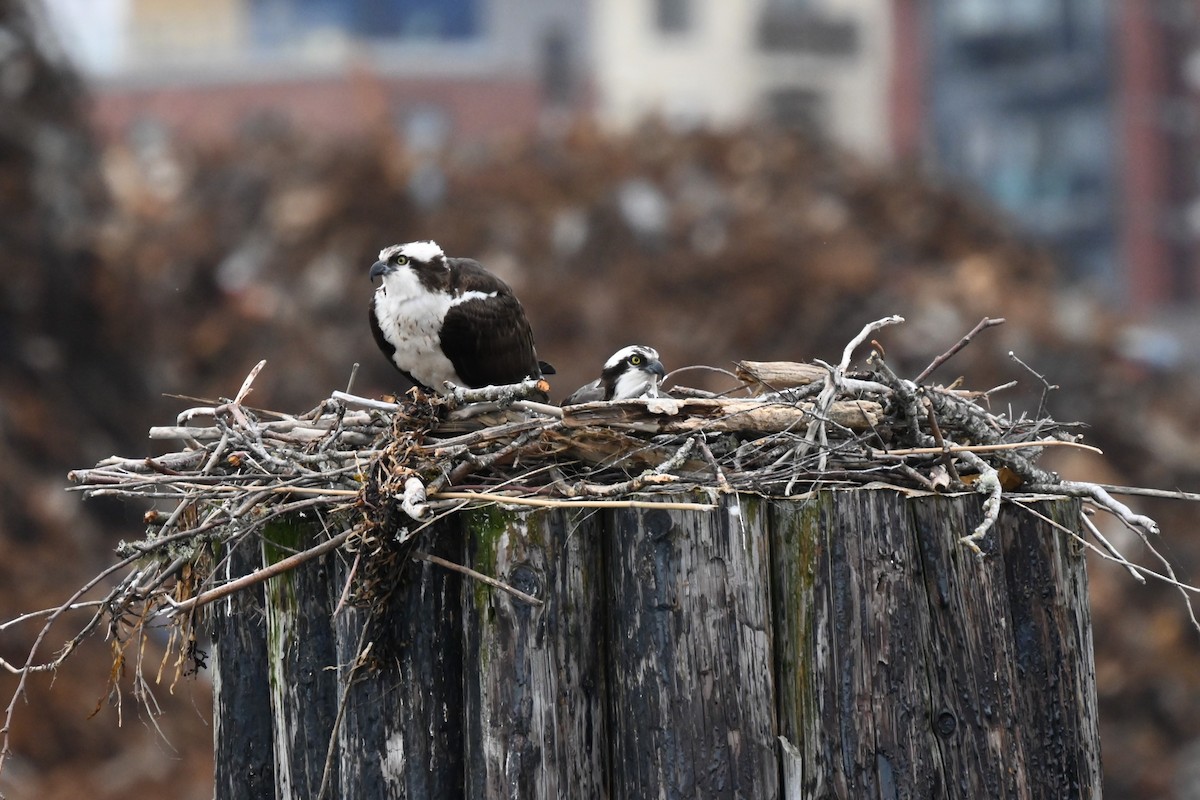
x: 632, y: 371
x: 414, y: 255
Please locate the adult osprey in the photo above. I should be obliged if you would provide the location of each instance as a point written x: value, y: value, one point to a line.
x: 632, y: 371
x: 443, y: 319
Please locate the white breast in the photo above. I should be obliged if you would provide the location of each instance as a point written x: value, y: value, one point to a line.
x: 635, y: 383
x: 411, y: 319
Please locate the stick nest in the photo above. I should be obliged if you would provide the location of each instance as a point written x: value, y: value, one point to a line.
x: 377, y: 473
x: 380, y: 471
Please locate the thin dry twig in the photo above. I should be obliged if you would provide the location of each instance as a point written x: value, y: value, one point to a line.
x: 462, y: 395
x: 258, y: 576
x: 539, y: 502
x: 834, y: 383
x: 989, y: 484
x: 986, y: 322
x: 479, y: 576
x: 362, y: 653
x: 1101, y: 498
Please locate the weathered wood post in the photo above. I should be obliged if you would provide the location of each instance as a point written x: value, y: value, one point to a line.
x: 690, y: 652
x: 242, y: 727
x: 910, y: 668
x: 840, y: 645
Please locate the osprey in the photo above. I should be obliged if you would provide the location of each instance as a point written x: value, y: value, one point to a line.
x: 441, y: 319
x: 632, y: 371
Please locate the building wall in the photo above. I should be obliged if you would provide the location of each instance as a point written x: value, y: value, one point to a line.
x: 182, y: 32
x: 820, y: 65
x: 907, y: 95
x: 845, y: 61
x: 324, y: 106
x: 1159, y: 131
x: 202, y: 68
x: 1022, y: 107
x: 699, y: 72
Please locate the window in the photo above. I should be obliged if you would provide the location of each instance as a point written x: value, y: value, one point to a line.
x: 793, y: 29
x: 673, y: 16
x: 557, y: 80
x: 1017, y: 16
x: 798, y: 109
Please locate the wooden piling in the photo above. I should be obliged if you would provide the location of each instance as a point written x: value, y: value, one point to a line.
x: 843, y: 645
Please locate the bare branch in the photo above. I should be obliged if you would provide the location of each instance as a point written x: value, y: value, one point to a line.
x: 479, y: 576
x: 986, y: 322
x: 260, y: 575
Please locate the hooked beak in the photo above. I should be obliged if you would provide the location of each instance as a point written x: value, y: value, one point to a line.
x: 656, y: 368
x: 380, y: 268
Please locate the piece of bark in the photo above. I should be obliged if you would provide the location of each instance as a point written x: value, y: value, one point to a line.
x: 668, y: 415
x: 772, y: 376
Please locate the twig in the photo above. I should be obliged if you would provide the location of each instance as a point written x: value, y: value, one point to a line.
x: 25, y: 670
x: 1168, y: 494
x: 1045, y: 383
x: 636, y: 484
x: 539, y: 408
x: 365, y: 402
x: 1100, y: 497
x: 936, y: 430
x: 245, y: 389
x: 345, y: 595
x: 986, y: 322
x: 360, y: 660
x: 722, y: 481
x: 834, y: 379
x: 993, y: 448
x: 867, y: 330
x: 476, y: 462
x: 989, y: 483
x: 1047, y: 387
x: 1136, y: 570
x: 1116, y: 556
x: 1182, y: 587
x: 1111, y: 548
x: 34, y: 614
x: 260, y: 575
x: 703, y: 368
x: 659, y: 475
x: 479, y: 576
x: 462, y: 395
x: 566, y: 503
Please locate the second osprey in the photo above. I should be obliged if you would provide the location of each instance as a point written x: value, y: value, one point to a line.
x: 632, y: 371
x: 441, y: 319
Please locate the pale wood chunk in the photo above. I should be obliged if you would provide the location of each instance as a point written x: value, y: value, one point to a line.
x: 721, y: 415
x: 771, y: 376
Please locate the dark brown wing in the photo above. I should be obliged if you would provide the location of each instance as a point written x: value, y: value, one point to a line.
x: 588, y: 393
x: 488, y: 339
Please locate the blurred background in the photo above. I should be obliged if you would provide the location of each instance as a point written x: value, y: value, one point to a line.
x: 189, y: 186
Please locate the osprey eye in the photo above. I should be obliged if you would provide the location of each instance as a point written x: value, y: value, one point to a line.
x: 636, y: 360
x: 401, y: 260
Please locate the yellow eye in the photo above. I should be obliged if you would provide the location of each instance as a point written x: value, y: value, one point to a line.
x: 401, y: 261
x: 635, y: 359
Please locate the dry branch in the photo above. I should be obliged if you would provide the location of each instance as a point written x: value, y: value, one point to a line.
x: 774, y: 376
x: 717, y: 415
